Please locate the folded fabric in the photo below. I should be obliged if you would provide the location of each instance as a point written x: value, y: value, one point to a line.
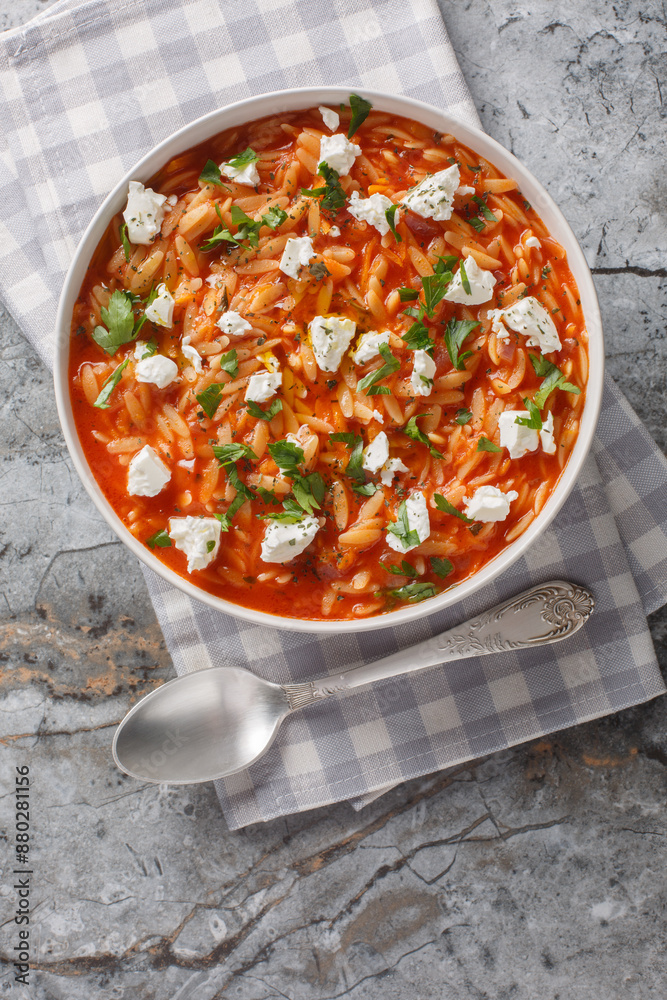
x: 87, y: 89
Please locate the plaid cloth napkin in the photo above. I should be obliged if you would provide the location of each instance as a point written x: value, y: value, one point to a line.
x: 87, y: 88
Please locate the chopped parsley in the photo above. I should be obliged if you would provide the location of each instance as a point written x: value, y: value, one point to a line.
x: 435, y: 286
x: 417, y: 337
x: 102, y: 401
x: 226, y: 518
x: 413, y: 432
x: 405, y: 569
x: 160, y: 540
x: 401, y: 528
x: 455, y: 333
x: 211, y: 175
x: 127, y: 249
x: 243, y: 159
x: 534, y: 420
x: 415, y: 592
x: 209, y: 399
x: 308, y: 490
x: 256, y: 411
x: 485, y: 445
x: 353, y: 469
x: 369, y: 382
x: 464, y: 278
x: 441, y: 567
x: 484, y: 208
x: 274, y: 217
x: 443, y: 504
x: 118, y: 318
x: 332, y: 194
x: 360, y: 110
x: 365, y: 489
x: 390, y: 216
x: 553, y: 379
x: 229, y: 363
x: 408, y: 294
x: 287, y: 456
x: 476, y: 224
x: 463, y: 416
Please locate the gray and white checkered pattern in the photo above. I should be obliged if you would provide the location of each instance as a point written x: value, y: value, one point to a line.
x: 87, y: 88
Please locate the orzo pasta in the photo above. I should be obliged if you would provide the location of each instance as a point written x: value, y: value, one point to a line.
x: 328, y: 363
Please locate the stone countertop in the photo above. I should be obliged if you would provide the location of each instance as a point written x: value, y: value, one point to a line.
x: 538, y: 872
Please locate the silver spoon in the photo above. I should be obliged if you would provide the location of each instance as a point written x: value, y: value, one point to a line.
x: 212, y: 723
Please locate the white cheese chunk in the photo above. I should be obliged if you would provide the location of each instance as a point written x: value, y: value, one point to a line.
x: 242, y: 175
x: 334, y: 232
x: 418, y: 521
x: 157, y: 369
x: 423, y: 367
x: 389, y: 470
x: 143, y: 214
x: 330, y: 336
x: 338, y: 153
x: 529, y: 318
x: 233, y: 324
x: 161, y: 309
x: 368, y: 346
x: 547, y: 435
x: 198, y: 537
x: 533, y: 242
x: 330, y: 118
x: 378, y: 416
x: 282, y: 542
x: 432, y: 197
x: 147, y: 475
x: 172, y: 200
x: 517, y: 438
x: 377, y: 453
x: 481, y: 284
x: 193, y: 355
x: 140, y: 349
x: 371, y: 210
x: 465, y: 190
x: 488, y: 503
x: 297, y: 253
x: 261, y: 387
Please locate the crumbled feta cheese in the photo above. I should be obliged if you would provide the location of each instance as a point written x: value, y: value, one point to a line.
x: 371, y: 210
x: 172, y: 200
x: 529, y: 317
x: 193, y: 355
x: 418, y: 521
x: 261, y: 387
x: 147, y: 475
x: 432, y: 197
x: 517, y: 438
x: 161, y: 309
x: 282, y: 542
x: 140, y: 349
x: 157, y: 369
x: 338, y: 152
x: 334, y: 232
x: 297, y: 253
x: 481, y: 285
x: 233, y: 324
x: 389, y: 470
x: 547, y: 435
x: 497, y: 325
x: 368, y: 346
x: 465, y: 190
x: 330, y: 118
x: 194, y: 535
x: 242, y: 175
x: 488, y: 503
x: 378, y: 416
x: 423, y: 367
x: 377, y: 453
x: 143, y: 214
x: 330, y: 336
x: 533, y: 242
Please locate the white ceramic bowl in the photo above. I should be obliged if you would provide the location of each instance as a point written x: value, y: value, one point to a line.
x: 291, y: 100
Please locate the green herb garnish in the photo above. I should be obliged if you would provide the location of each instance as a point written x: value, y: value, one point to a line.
x: 443, y: 504
x: 102, y: 401
x: 353, y: 469
x: 401, y: 528
x: 209, y: 399
x: 435, y: 286
x: 485, y: 445
x: 441, y: 567
x: 390, y: 215
x: 160, y: 540
x: 127, y: 248
x: 415, y: 592
x: 476, y: 224
x: 408, y: 294
x: 229, y: 363
x: 211, y: 175
x: 332, y: 194
x: 405, y: 569
x: 119, y: 326
x: 464, y: 279
x: 463, y: 416
x: 455, y: 333
x: 533, y: 420
x: 369, y: 382
x: 484, y: 208
x: 360, y: 110
x: 413, y: 432
x: 243, y: 159
x: 256, y: 411
x: 553, y: 379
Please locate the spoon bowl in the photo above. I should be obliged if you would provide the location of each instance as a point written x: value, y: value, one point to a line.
x: 200, y: 727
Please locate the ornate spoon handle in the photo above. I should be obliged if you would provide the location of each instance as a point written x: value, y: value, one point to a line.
x: 546, y: 613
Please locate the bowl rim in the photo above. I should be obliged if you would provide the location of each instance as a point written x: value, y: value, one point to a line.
x: 274, y: 102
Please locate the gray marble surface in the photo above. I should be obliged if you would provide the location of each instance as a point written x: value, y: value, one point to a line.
x: 538, y: 872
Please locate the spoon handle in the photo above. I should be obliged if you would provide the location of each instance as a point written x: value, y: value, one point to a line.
x: 546, y: 613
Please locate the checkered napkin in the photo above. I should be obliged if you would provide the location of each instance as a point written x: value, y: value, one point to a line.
x: 87, y: 89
